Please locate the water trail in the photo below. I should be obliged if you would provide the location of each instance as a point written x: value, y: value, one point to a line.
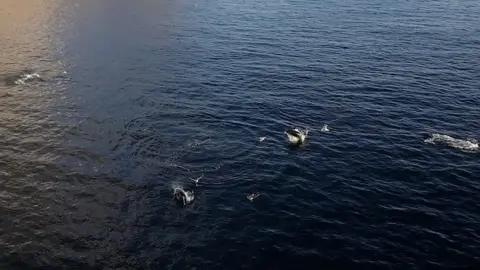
x: 467, y: 145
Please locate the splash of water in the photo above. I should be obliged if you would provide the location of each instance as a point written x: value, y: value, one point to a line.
x: 468, y: 144
x: 26, y: 77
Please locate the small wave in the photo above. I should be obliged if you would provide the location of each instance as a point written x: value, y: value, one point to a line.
x: 468, y: 144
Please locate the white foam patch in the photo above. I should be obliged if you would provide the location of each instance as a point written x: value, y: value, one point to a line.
x: 24, y: 78
x: 470, y: 145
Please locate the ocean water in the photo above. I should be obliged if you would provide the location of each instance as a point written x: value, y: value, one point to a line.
x: 134, y: 98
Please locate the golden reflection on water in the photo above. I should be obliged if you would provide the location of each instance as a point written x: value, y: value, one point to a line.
x: 39, y: 198
x: 24, y: 31
x: 27, y: 130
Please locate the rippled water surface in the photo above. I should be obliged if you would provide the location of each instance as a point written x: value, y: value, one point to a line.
x: 135, y: 98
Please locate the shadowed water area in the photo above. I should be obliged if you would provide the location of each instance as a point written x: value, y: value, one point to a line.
x: 107, y: 106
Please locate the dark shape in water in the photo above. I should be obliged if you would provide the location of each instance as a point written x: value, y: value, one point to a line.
x: 296, y: 136
x: 185, y: 197
x: 253, y: 196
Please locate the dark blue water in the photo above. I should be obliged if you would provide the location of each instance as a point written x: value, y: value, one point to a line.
x: 137, y: 97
